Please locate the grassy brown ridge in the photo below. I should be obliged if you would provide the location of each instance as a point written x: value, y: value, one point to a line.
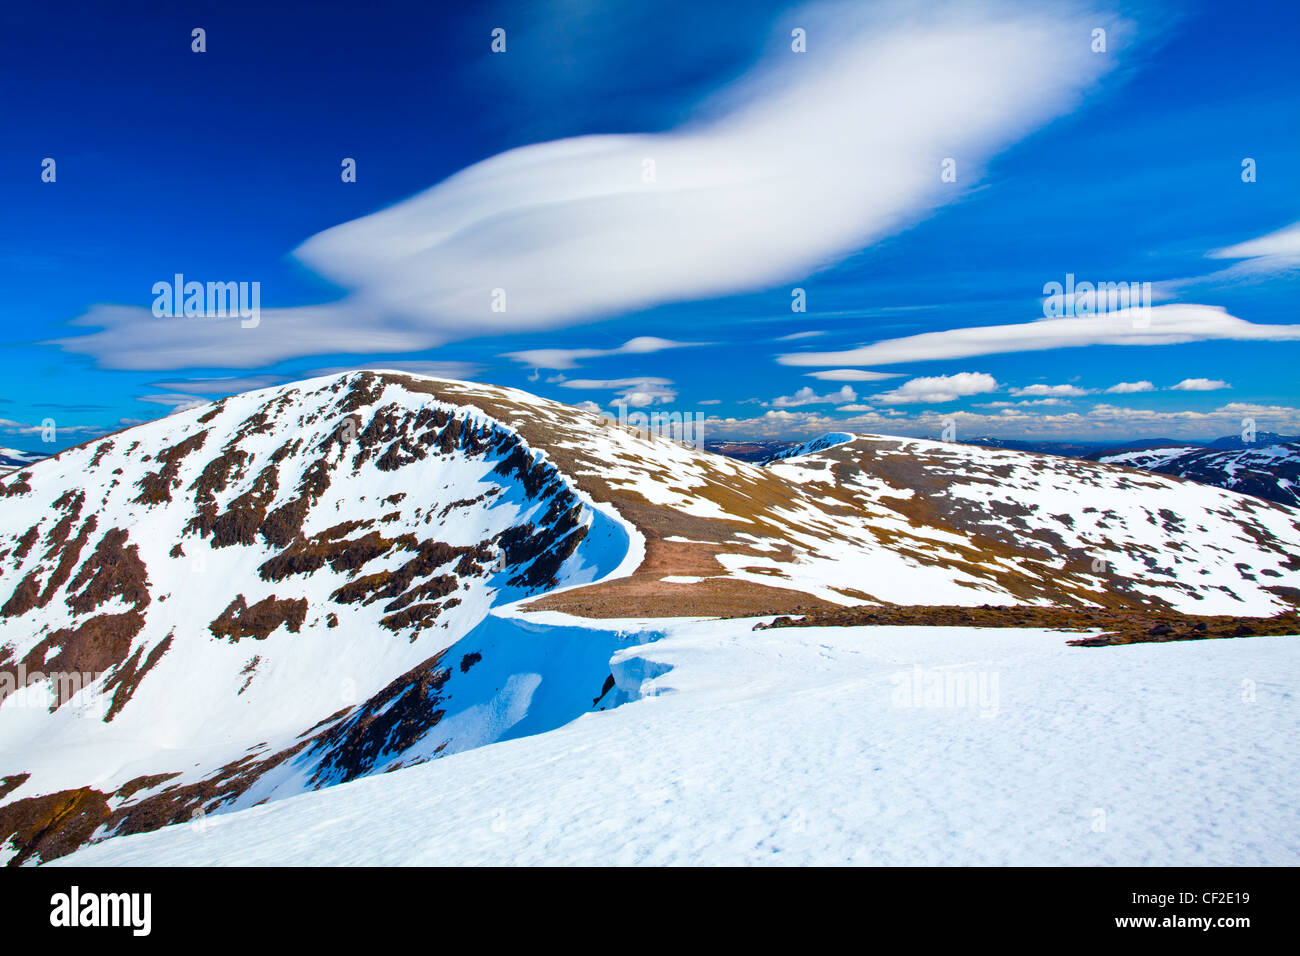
x: 1118, y: 626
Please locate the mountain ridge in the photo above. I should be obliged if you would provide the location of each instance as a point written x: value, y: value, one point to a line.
x: 299, y: 586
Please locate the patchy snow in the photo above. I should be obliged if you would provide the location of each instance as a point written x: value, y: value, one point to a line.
x: 1199, y: 548
x: 1265, y: 471
x: 888, y: 745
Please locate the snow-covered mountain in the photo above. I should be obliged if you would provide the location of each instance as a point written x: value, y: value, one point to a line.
x: 1267, y: 471
x: 262, y: 596
x: 304, y: 585
x: 829, y: 440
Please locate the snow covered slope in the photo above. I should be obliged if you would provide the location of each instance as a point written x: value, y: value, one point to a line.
x: 269, y: 594
x: 837, y: 746
x: 301, y: 586
x: 1271, y: 472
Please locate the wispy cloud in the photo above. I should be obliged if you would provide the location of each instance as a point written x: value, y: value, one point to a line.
x: 221, y: 386
x: 1158, y: 325
x: 852, y: 375
x: 1269, y: 250
x: 793, y: 336
x: 569, y: 358
x: 177, y: 403
x: 26, y: 428
x: 1261, y: 259
x: 636, y: 392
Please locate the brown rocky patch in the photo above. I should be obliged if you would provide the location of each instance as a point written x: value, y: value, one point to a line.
x: 12, y: 782
x: 156, y: 486
x: 72, y: 656
x: 124, y: 680
x: 51, y: 825
x: 1120, y: 626
x: 16, y: 484
x: 396, y: 718
x: 243, y: 517
x: 331, y: 547
x: 239, y: 620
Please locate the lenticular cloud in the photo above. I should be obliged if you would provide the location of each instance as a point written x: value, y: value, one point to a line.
x: 824, y: 152
x: 809, y: 158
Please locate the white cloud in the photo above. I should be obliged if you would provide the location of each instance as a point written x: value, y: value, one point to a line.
x: 1265, y: 258
x: 1283, y: 244
x: 852, y: 375
x: 1058, y: 391
x: 131, y: 337
x: 939, y: 388
x: 636, y: 392
x: 569, y: 358
x: 799, y: 335
x: 612, y: 382
x: 1159, y: 325
x: 457, y: 371
x: 1102, y: 423
x: 1127, y: 388
x: 178, y: 403
x: 805, y: 161
x: 22, y: 428
x: 1200, y: 385
x: 222, y: 386
x: 806, y: 396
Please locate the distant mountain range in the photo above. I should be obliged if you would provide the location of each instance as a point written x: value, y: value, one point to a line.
x: 11, y: 459
x: 1268, y: 468
x: 1271, y: 472
x: 759, y: 450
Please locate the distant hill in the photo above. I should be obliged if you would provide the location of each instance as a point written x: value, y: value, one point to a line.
x: 760, y: 450
x: 1066, y: 449
x: 11, y: 459
x: 1261, y: 439
x: 1271, y: 471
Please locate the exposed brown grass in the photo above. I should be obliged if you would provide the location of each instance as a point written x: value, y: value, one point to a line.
x: 1119, y: 626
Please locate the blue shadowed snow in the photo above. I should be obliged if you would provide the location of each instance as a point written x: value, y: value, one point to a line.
x: 829, y: 440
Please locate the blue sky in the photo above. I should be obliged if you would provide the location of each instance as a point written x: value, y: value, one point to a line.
x: 525, y: 171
